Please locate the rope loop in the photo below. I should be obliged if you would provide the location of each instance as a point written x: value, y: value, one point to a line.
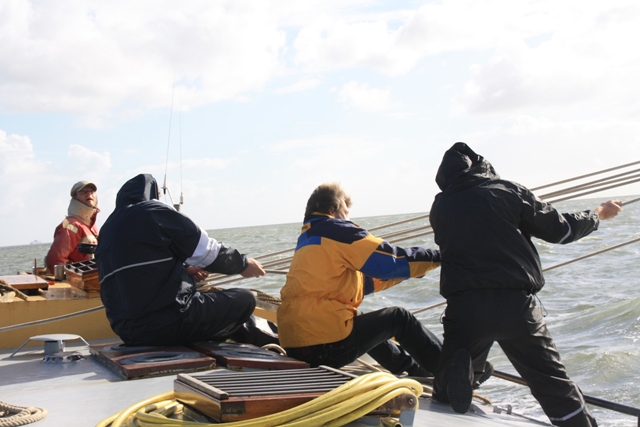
x: 14, y: 415
x: 338, y: 407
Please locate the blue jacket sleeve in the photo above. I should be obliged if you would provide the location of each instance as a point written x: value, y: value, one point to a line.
x: 393, y: 262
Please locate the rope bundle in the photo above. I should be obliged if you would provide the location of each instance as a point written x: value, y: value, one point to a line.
x: 13, y: 415
x: 338, y: 407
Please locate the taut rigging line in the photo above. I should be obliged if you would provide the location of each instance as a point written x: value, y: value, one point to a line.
x: 562, y: 264
x: 275, y: 266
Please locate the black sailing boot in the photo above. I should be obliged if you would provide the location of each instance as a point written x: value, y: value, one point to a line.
x: 459, y: 387
x: 479, y: 379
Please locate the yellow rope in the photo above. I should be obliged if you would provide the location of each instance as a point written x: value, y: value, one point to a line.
x: 338, y: 407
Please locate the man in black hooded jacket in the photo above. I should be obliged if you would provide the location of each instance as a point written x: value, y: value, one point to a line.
x: 490, y: 275
x: 148, y: 256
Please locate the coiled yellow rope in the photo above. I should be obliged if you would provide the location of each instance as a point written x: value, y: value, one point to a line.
x: 338, y: 407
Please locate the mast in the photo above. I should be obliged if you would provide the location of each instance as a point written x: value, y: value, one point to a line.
x: 165, y: 189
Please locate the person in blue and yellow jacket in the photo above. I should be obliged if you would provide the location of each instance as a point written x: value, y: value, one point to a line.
x: 335, y: 264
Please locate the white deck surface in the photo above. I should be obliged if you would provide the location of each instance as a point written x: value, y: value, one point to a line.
x: 85, y: 392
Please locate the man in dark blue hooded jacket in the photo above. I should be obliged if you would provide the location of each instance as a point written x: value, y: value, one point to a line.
x: 490, y: 274
x: 150, y: 297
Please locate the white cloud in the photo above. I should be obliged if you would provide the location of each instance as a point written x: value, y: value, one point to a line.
x: 88, y: 161
x: 365, y: 98
x: 93, y: 58
x: 557, y: 77
x: 101, y: 60
x: 393, y: 44
x: 35, y: 191
x: 18, y: 168
x: 329, y: 44
x: 16, y: 150
x: 536, y: 151
x: 302, y: 85
x: 582, y: 62
x: 205, y: 163
x: 326, y: 155
x: 314, y: 143
x: 334, y: 159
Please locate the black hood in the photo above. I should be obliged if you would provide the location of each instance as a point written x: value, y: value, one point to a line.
x: 140, y: 188
x: 461, y: 164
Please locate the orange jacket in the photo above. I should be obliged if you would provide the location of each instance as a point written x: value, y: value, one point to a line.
x: 71, y: 232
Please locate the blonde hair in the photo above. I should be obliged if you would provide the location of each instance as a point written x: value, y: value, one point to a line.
x: 327, y: 198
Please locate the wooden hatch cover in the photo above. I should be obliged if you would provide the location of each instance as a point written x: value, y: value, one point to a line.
x: 239, y: 356
x: 23, y: 282
x: 234, y: 396
x: 137, y: 362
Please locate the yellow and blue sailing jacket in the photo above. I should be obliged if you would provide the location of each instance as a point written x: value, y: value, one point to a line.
x: 335, y: 264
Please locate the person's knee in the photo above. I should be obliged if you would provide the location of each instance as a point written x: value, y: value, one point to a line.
x: 404, y: 316
x: 397, y: 312
x: 401, y: 321
x: 243, y: 297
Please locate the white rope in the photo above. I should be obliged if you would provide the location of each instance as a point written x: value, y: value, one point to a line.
x: 13, y: 415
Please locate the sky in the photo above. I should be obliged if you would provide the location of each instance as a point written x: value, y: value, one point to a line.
x: 243, y: 107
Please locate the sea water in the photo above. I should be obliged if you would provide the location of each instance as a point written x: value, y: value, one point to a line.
x: 593, y: 305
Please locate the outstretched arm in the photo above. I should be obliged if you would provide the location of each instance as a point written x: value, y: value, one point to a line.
x: 609, y: 209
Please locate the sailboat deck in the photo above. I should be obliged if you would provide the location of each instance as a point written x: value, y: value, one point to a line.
x: 84, y: 392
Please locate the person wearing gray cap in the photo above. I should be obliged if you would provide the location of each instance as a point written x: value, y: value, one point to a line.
x: 78, y: 227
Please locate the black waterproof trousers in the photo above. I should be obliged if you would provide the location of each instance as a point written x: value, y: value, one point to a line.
x: 475, y: 319
x: 210, y: 316
x: 417, y: 354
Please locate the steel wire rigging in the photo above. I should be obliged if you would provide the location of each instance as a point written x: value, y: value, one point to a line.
x: 621, y: 178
